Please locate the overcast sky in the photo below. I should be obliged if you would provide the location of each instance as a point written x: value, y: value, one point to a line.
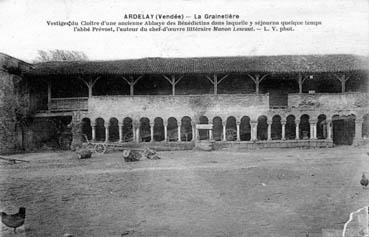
x: 345, y: 29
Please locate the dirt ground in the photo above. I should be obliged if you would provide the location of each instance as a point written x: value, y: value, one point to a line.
x: 272, y: 192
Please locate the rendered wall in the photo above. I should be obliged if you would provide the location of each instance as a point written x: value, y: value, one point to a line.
x: 178, y: 106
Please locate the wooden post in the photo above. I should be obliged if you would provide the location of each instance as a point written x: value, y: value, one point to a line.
x: 173, y: 81
x: 131, y: 82
x: 342, y: 78
x: 90, y: 84
x: 49, y: 95
x: 257, y: 79
x: 214, y: 80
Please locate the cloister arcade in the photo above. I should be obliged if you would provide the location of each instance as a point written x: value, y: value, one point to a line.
x: 343, y: 129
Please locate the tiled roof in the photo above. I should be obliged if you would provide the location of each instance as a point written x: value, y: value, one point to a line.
x: 248, y: 64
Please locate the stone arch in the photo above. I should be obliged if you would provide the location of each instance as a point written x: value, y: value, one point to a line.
x: 113, y: 130
x: 262, y: 128
x: 145, y: 129
x: 276, y: 127
x: 231, y: 129
x: 86, y: 128
x: 100, y: 129
x: 245, y: 129
x: 290, y: 127
x: 127, y: 128
x: 186, y: 129
x: 322, y: 127
x: 172, y: 129
x: 304, y: 127
x: 158, y: 129
x: 217, y: 128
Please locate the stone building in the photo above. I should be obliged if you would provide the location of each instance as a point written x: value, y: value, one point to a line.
x: 256, y: 101
x: 14, y: 102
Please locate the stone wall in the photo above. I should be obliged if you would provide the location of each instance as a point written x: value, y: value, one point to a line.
x: 13, y: 102
x: 178, y: 106
x: 7, y: 113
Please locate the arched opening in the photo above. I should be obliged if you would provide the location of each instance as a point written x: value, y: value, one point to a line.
x: 127, y: 132
x: 321, y: 127
x: 304, y: 127
x: 158, y: 129
x: 145, y: 130
x: 203, y: 134
x: 86, y: 128
x: 100, y: 130
x: 365, y: 128
x: 245, y: 129
x: 262, y: 128
x: 172, y: 129
x: 217, y: 129
x: 231, y: 129
x: 113, y: 130
x: 276, y: 128
x: 186, y: 129
x: 290, y: 127
x: 343, y: 129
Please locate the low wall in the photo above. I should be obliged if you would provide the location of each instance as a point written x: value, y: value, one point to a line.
x: 245, y: 145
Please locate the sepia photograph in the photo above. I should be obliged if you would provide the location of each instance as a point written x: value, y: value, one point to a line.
x: 184, y: 118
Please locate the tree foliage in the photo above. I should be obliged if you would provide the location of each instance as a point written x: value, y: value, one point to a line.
x: 60, y: 55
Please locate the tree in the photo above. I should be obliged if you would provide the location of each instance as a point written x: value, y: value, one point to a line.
x: 60, y: 55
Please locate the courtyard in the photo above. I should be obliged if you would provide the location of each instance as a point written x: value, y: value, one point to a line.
x: 270, y: 192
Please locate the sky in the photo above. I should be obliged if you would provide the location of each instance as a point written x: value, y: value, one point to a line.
x: 24, y: 31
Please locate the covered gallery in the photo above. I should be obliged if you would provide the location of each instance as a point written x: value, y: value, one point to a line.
x: 290, y: 100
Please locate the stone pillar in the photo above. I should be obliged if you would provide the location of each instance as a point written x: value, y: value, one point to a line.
x: 254, y: 130
x: 165, y: 131
x: 194, y: 132
x: 358, y: 130
x: 313, y: 129
x: 179, y: 131
x: 311, y: 123
x: 120, y: 126
x: 269, y: 130
x: 283, y: 130
x: 224, y: 131
x: 106, y: 132
x: 329, y: 129
x: 297, y: 122
x: 238, y: 131
x: 136, y: 131
x: 93, y: 125
x: 211, y: 133
x: 151, y: 132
